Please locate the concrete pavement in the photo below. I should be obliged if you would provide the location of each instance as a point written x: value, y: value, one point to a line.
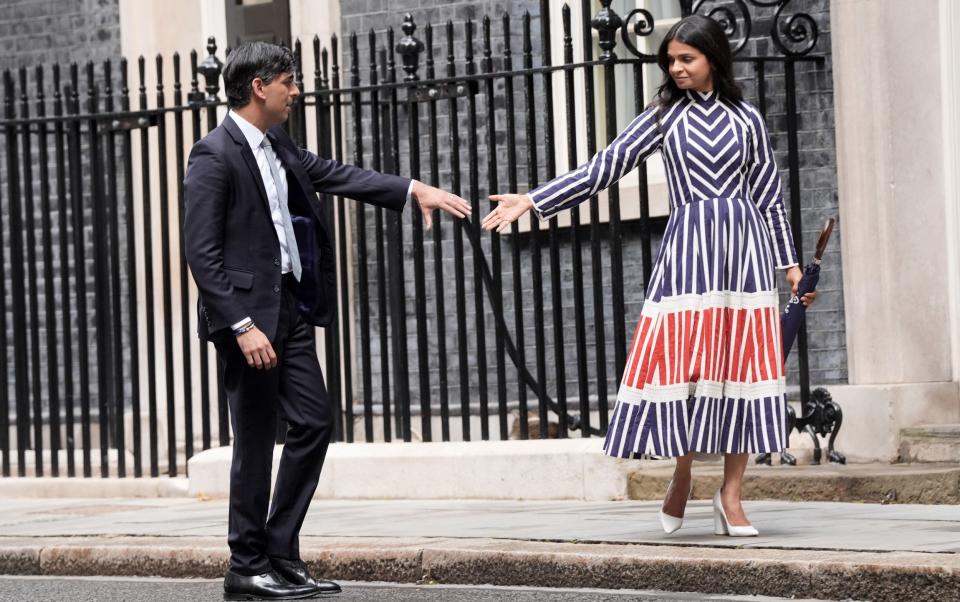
x: 816, y: 549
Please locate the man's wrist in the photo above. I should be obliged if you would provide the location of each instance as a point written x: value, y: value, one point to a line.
x: 243, y: 327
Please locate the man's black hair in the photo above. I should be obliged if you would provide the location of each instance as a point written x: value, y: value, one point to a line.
x: 251, y: 61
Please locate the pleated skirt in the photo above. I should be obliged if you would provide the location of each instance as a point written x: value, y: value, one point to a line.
x: 704, y: 372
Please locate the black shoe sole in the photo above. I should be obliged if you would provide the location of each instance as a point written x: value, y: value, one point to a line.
x: 245, y: 597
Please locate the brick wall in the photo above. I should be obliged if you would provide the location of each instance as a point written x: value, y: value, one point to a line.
x: 45, y: 32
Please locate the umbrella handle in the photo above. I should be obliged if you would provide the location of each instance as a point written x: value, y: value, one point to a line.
x: 823, y: 240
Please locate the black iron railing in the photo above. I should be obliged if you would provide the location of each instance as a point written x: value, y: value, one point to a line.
x: 451, y: 334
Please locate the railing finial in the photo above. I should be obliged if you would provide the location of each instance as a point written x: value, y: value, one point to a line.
x: 210, y: 68
x: 607, y: 23
x: 410, y: 48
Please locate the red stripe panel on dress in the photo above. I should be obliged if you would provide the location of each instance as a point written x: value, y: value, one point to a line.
x: 731, y: 344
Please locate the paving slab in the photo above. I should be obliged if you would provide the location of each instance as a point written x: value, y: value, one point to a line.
x: 821, y: 550
x: 785, y: 525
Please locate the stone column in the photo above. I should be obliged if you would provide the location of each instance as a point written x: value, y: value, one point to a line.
x: 896, y: 163
x: 950, y: 34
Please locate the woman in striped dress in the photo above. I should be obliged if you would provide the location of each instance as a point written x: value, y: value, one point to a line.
x: 704, y: 372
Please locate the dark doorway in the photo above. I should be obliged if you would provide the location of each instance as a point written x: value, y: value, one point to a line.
x: 264, y: 20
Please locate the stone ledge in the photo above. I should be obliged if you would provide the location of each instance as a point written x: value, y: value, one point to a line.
x: 551, y: 469
x: 820, y: 574
x: 94, y: 487
x: 931, y: 443
x: 576, y: 469
x: 864, y: 483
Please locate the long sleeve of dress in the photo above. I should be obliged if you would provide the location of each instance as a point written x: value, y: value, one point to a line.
x: 634, y: 144
x: 766, y: 191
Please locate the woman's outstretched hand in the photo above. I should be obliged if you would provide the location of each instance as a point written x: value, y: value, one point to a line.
x: 509, y: 210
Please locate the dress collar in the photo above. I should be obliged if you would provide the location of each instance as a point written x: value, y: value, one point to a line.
x: 702, y: 97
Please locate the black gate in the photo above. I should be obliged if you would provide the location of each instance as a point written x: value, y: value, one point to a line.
x: 520, y: 336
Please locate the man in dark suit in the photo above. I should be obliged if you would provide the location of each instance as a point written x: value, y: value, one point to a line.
x: 259, y: 247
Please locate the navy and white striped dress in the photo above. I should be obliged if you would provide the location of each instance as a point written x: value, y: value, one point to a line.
x: 704, y: 372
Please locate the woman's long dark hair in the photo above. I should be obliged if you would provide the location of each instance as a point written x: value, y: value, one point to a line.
x: 706, y: 35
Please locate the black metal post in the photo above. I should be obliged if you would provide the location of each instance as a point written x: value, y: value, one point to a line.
x: 580, y: 330
x: 463, y: 364
x: 398, y: 316
x: 50, y: 317
x: 608, y: 23
x: 382, y: 145
x: 112, y: 215
x: 553, y: 238
x: 410, y: 49
x: 149, y: 294
x: 530, y: 111
x: 438, y: 280
x: 131, y: 275
x: 511, y: 126
x: 596, y: 249
x: 493, y: 184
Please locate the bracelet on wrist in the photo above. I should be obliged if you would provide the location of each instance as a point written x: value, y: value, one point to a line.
x: 244, y: 328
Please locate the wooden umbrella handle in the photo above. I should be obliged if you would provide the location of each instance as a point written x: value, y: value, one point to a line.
x: 823, y: 240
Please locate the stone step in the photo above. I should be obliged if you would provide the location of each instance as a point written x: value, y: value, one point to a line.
x: 860, y: 483
x: 930, y: 443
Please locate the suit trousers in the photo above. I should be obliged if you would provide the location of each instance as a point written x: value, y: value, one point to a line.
x: 295, y: 391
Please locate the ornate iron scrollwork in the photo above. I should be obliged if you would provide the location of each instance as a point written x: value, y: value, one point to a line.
x: 793, y: 35
x: 799, y: 28
x: 728, y: 20
x: 638, y: 22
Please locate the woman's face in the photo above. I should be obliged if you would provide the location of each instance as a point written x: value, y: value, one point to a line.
x: 689, y: 67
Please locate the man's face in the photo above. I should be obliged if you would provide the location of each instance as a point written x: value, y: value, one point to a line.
x: 278, y: 97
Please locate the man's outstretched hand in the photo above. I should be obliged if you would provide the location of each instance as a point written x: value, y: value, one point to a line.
x: 430, y: 198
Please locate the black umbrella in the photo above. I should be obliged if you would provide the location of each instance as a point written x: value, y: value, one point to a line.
x: 821, y: 415
x: 795, y: 310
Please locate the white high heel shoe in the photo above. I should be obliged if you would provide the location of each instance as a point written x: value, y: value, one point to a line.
x: 721, y: 526
x: 672, y: 523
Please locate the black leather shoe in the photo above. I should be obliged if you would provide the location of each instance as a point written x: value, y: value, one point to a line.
x: 295, y: 571
x: 266, y: 586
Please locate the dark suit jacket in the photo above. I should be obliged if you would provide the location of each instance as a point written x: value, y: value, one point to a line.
x: 230, y: 242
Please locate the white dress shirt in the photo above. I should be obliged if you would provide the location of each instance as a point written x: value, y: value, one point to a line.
x: 255, y: 137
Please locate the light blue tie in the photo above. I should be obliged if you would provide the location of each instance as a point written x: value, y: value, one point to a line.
x: 292, y: 251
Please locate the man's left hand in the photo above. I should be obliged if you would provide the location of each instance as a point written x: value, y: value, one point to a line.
x: 430, y: 198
